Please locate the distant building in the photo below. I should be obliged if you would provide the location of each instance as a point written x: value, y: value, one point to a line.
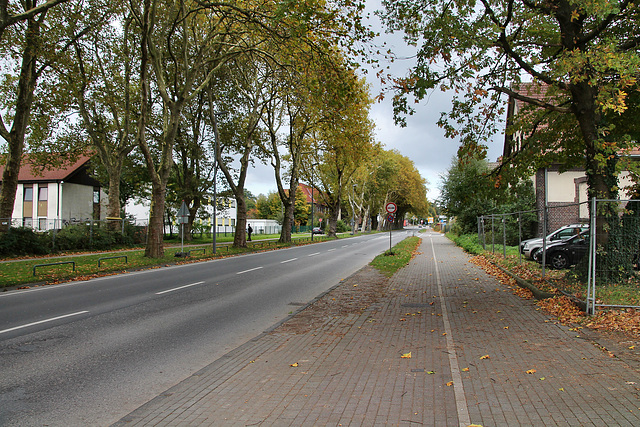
x: 47, y: 199
x: 318, y: 205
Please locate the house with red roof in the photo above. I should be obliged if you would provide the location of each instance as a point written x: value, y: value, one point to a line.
x: 50, y: 197
x: 316, y: 201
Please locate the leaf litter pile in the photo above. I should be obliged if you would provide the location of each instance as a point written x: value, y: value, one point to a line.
x: 626, y: 321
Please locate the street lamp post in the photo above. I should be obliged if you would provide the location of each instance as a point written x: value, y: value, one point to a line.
x: 215, y: 177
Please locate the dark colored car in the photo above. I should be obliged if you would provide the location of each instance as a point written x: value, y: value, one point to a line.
x: 317, y: 230
x: 566, y: 253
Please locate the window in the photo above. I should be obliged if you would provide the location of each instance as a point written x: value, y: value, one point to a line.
x: 28, y: 193
x: 96, y: 195
x: 43, y: 194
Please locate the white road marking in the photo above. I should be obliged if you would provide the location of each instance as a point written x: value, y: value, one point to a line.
x: 289, y: 260
x: 314, y: 254
x: 246, y: 271
x: 458, y: 389
x: 178, y: 288
x: 43, y: 321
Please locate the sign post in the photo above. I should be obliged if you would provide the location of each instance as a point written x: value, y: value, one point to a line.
x: 183, y: 218
x: 391, y: 209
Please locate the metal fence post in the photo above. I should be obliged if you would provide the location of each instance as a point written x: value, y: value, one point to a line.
x: 504, y: 236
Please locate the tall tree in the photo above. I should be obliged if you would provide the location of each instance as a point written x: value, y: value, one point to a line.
x: 183, y: 44
x: 100, y: 79
x: 246, y: 97
x: 345, y: 138
x: 22, y: 45
x: 582, y: 55
x: 192, y: 177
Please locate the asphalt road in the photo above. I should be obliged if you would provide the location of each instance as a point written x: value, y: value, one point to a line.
x: 88, y: 353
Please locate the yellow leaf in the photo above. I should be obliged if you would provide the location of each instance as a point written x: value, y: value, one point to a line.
x: 294, y: 365
x: 561, y: 389
x: 542, y: 378
x: 632, y: 347
x: 450, y: 383
x: 486, y: 356
x: 465, y: 369
x: 506, y: 327
x: 406, y: 356
x: 531, y: 371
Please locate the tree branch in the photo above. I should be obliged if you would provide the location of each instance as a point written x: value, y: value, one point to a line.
x: 530, y: 100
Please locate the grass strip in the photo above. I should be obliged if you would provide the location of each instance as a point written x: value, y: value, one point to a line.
x: 83, y: 266
x: 391, y: 261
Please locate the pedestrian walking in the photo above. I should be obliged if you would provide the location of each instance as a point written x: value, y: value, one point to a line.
x: 249, y: 231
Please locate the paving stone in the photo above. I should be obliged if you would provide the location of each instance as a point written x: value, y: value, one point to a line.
x: 448, y: 313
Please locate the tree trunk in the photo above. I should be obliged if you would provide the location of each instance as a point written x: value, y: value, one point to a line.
x: 15, y: 138
x: 240, y: 236
x: 332, y: 221
x: 600, y: 178
x: 155, y: 243
x: 287, y: 221
x: 113, y: 206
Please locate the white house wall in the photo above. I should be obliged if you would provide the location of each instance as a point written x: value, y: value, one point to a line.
x: 562, y: 186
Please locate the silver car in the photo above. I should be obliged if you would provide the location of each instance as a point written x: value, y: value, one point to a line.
x: 531, y: 246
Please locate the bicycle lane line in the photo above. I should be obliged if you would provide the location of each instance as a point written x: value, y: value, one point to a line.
x: 458, y: 388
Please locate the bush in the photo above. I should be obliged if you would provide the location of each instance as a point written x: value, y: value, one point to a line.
x: 468, y: 242
x: 23, y: 241
x: 341, y: 227
x: 84, y: 237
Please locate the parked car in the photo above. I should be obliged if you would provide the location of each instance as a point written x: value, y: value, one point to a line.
x: 564, y: 254
x: 317, y: 230
x: 529, y: 247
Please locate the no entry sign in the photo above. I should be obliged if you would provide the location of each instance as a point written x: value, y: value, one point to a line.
x: 391, y: 207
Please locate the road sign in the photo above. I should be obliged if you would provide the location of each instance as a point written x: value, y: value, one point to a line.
x: 390, y: 218
x: 183, y: 214
x: 391, y: 207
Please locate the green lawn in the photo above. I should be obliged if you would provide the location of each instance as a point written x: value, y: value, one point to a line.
x: 80, y: 266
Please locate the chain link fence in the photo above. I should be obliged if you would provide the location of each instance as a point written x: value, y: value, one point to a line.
x: 501, y: 230
x: 599, y: 264
x: 614, y: 255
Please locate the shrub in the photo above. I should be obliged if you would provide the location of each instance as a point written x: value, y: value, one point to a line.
x: 468, y: 242
x: 23, y: 241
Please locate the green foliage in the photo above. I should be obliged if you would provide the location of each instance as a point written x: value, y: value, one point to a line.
x: 342, y: 227
x: 467, y: 192
x: 468, y: 242
x: 23, y: 241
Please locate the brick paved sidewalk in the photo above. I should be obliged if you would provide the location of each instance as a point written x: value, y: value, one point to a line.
x: 479, y: 355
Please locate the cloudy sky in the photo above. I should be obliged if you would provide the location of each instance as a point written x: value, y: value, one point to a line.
x: 422, y: 140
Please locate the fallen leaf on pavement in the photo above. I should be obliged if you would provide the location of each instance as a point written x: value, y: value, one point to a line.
x: 531, y: 371
x: 406, y: 356
x: 486, y: 356
x: 294, y: 365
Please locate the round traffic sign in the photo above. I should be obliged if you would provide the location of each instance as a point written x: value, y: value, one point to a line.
x: 391, y: 207
x: 390, y: 218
